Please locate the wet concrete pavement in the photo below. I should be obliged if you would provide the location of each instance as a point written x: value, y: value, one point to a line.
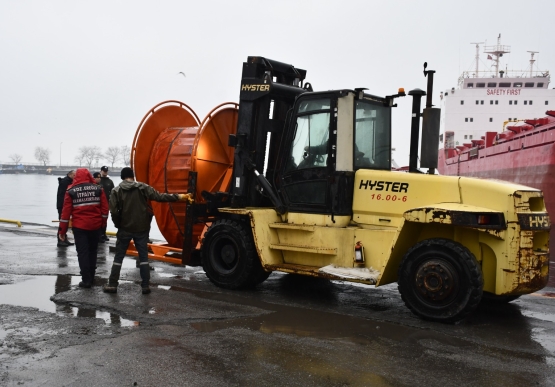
x: 289, y: 331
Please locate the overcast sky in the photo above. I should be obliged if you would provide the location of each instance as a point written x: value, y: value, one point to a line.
x: 81, y: 73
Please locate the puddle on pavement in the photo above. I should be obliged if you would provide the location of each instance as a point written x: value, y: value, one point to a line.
x: 166, y: 275
x: 35, y: 292
x: 308, y: 322
x: 313, y: 323
x: 538, y: 315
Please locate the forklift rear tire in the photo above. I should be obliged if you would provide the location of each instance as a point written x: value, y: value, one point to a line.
x: 440, y: 280
x: 229, y: 256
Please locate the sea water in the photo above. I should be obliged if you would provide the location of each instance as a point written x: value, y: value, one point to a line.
x: 32, y: 198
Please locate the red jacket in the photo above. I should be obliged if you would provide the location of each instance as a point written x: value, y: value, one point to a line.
x: 85, y: 203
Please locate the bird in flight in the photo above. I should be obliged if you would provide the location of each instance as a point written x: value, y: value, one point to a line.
x: 181, y: 72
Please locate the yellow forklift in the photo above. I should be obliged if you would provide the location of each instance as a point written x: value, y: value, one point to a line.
x: 312, y: 192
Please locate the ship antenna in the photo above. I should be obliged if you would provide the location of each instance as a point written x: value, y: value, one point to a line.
x: 497, y: 51
x: 532, y: 60
x: 477, y: 56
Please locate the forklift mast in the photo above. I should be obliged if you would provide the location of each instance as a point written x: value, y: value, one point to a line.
x: 268, y: 92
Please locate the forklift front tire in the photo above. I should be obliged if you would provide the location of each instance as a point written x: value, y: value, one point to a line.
x: 229, y: 256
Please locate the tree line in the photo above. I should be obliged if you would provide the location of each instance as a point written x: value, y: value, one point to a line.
x: 86, y: 155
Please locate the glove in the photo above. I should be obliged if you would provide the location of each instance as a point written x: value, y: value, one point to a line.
x: 185, y: 197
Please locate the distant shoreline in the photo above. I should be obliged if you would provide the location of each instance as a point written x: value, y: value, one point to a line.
x: 10, y: 169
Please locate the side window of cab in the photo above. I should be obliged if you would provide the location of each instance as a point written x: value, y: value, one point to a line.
x: 310, y: 143
x: 305, y: 174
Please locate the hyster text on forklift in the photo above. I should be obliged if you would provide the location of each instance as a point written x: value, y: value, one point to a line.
x: 305, y: 186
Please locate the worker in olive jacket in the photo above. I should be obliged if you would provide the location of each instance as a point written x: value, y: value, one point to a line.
x: 131, y: 214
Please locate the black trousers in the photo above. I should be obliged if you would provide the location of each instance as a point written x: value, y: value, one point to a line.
x: 86, y: 244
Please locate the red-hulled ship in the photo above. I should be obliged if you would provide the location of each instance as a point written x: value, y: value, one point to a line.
x: 486, y: 102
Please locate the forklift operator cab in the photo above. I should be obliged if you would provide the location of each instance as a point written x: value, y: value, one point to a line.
x: 318, y: 176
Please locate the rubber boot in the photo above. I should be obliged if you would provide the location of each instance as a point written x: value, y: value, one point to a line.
x: 113, y: 280
x: 145, y: 276
x: 63, y: 242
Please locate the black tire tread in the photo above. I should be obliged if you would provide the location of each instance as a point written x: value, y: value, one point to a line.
x: 468, y: 260
x: 250, y: 276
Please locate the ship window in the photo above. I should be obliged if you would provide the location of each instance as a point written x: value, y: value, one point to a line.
x: 480, y: 85
x: 466, y: 120
x: 504, y: 84
x: 496, y: 102
x: 540, y: 84
x: 490, y: 119
x: 471, y: 120
x: 516, y: 102
x: 470, y: 85
x: 466, y: 136
x: 470, y: 136
x: 510, y: 102
x: 530, y: 103
x: 477, y: 102
x: 546, y: 102
x: 517, y: 84
x: 492, y: 84
x: 481, y: 102
x: 529, y: 84
x: 525, y: 102
x: 462, y: 102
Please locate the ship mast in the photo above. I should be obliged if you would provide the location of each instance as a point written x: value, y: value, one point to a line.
x: 497, y: 52
x: 532, y: 60
x: 477, y: 57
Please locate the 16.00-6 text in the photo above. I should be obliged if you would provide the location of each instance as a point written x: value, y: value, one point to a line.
x: 392, y: 198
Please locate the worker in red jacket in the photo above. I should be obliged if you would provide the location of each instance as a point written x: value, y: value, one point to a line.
x: 84, y: 202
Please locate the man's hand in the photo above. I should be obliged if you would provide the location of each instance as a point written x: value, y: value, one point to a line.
x: 62, y: 237
x: 185, y: 197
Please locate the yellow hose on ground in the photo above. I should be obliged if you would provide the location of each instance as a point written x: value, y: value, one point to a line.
x: 11, y: 221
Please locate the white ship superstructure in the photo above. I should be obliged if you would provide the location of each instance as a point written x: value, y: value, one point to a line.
x: 486, y: 100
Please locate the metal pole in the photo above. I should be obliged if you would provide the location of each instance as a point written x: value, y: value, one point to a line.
x: 417, y: 95
x: 60, y: 154
x: 430, y: 88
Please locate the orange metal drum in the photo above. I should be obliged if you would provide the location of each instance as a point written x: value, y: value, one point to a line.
x: 161, y: 157
x: 168, y: 144
x: 212, y: 157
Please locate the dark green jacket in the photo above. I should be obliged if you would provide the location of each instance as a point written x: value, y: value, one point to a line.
x: 108, y: 185
x: 129, y: 206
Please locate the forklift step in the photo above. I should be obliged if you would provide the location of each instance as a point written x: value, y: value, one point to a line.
x: 305, y: 249
x: 293, y: 226
x: 354, y: 274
